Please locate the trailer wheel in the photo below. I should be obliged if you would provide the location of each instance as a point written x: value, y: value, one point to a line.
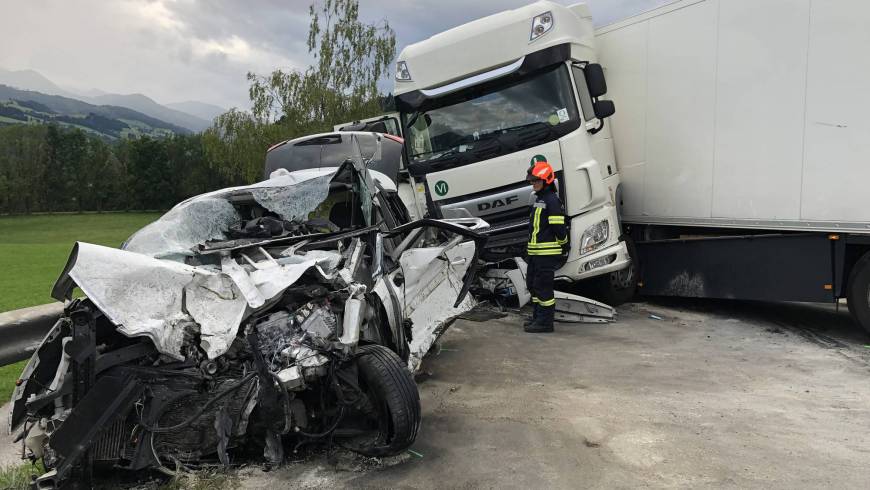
x: 619, y: 287
x: 392, y: 392
x: 858, y: 292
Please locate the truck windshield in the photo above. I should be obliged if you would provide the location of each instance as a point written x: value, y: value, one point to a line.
x: 486, y: 122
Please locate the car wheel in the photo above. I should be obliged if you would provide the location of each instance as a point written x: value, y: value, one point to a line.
x: 391, y: 425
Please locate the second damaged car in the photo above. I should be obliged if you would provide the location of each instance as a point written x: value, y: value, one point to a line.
x: 244, y: 323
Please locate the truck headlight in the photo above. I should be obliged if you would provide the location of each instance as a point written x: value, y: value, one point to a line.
x: 402, y: 73
x: 594, y: 236
x: 541, y: 24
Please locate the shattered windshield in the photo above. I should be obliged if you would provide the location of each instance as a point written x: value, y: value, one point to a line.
x: 284, y: 199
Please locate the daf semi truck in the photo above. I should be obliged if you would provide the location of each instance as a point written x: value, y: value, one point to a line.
x: 736, y: 163
x: 477, y: 104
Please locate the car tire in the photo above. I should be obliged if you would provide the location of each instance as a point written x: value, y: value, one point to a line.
x: 391, y: 389
x: 618, y: 287
x: 858, y: 292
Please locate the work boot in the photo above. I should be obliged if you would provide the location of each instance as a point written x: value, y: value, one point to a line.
x: 538, y: 327
x: 543, y: 323
x: 535, y: 313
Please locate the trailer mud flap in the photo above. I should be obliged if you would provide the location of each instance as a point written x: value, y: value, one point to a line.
x: 781, y: 267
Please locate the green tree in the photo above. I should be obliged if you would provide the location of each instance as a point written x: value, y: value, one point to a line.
x: 149, y: 171
x: 23, y: 161
x: 236, y: 145
x: 350, y: 58
x: 111, y: 190
x: 191, y: 172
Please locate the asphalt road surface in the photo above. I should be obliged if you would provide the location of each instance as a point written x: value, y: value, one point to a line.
x: 712, y: 394
x: 675, y: 394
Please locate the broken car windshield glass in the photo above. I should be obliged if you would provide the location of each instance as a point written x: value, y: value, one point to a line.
x: 289, y: 197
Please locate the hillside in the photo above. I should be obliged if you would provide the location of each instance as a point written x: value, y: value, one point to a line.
x: 191, y: 115
x: 199, y: 109
x: 112, y: 122
x: 31, y: 80
x: 147, y: 106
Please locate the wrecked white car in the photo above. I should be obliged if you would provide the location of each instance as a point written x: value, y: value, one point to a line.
x: 244, y: 323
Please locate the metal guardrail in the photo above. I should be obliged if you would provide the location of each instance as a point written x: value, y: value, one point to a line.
x: 22, y: 330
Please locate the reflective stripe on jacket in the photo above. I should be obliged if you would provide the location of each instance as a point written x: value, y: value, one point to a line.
x: 547, y: 230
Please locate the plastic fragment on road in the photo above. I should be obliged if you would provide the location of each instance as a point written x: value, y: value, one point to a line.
x: 570, y: 308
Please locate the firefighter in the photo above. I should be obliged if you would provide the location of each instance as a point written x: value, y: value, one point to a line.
x: 547, y: 236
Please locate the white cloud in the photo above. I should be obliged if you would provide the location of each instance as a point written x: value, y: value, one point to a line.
x: 156, y: 12
x: 135, y: 46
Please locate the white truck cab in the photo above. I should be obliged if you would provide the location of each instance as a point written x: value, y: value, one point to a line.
x: 479, y: 103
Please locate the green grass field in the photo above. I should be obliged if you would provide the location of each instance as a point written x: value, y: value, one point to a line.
x: 33, y: 251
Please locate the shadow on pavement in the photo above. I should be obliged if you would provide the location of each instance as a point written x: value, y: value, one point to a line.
x: 822, y: 323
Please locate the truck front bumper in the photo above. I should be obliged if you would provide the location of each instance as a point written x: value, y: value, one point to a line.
x: 610, y: 259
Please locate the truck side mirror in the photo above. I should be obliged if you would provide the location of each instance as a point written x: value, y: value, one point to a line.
x: 603, y: 108
x: 595, y: 80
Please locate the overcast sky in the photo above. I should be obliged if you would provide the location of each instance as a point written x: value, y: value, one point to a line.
x: 176, y: 50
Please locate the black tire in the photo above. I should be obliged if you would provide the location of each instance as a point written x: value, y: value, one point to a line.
x: 618, y: 287
x: 858, y: 292
x: 391, y: 389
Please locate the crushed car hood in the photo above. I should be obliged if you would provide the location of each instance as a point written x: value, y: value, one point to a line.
x: 163, y: 300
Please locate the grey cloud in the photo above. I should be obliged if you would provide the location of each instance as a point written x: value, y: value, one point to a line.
x: 114, y: 47
x: 267, y: 24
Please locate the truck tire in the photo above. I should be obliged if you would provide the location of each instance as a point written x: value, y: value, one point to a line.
x: 858, y: 292
x: 391, y: 389
x: 618, y: 287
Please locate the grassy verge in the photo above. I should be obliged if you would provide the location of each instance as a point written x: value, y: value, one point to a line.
x: 19, y: 477
x: 33, y: 251
x: 202, y: 480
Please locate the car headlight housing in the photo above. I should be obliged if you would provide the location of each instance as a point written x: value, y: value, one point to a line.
x: 594, y: 236
x: 402, y: 73
x: 541, y: 24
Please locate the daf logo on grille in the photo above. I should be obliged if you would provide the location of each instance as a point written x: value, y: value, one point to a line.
x: 497, y: 203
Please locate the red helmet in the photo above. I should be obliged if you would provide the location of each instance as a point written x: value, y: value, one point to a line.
x: 543, y: 171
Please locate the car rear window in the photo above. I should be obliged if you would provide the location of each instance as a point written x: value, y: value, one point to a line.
x: 331, y: 151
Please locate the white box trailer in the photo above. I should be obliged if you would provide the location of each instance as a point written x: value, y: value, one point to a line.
x: 742, y: 137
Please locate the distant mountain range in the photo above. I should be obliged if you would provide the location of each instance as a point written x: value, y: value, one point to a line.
x: 109, y: 121
x: 190, y: 115
x: 199, y: 109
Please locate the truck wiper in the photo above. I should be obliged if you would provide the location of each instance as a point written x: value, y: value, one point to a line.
x: 523, y: 136
x: 423, y: 153
x: 533, y: 127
